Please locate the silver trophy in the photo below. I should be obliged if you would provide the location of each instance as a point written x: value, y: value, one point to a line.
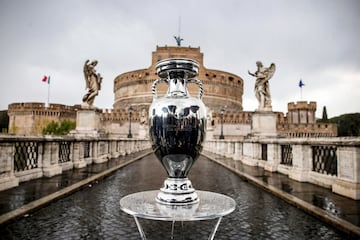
x: 177, y: 128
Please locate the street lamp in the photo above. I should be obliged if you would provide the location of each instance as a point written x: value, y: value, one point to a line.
x: 130, y: 109
x: 222, y: 111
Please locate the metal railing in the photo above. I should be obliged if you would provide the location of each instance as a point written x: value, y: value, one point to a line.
x: 64, y: 151
x: 324, y: 159
x: 25, y: 156
x: 286, y: 155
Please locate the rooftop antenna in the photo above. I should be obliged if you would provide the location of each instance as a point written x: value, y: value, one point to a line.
x: 178, y: 38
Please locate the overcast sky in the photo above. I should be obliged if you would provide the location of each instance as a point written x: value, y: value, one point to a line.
x: 316, y: 41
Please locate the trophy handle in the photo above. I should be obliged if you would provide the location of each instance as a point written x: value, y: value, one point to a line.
x: 154, y: 86
x: 199, y: 83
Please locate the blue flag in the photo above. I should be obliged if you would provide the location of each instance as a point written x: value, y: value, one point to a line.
x: 301, y: 84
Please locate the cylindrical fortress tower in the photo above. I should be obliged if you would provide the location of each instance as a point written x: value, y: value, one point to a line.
x: 220, y: 88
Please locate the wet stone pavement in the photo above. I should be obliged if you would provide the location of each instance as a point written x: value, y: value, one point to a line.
x: 94, y: 211
x: 334, y: 204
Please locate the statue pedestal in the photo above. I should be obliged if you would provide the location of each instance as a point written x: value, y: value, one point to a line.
x: 263, y: 124
x: 87, y: 122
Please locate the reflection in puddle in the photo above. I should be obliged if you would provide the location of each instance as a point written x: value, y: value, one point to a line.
x: 326, y: 204
x: 286, y: 187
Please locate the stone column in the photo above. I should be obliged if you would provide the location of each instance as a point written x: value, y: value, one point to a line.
x: 251, y: 153
x: 348, y: 180
x: 274, y: 157
x: 50, y: 157
x: 238, y: 151
x: 102, y: 152
x: 121, y: 147
x: 128, y: 147
x: 302, y: 162
x: 113, y: 149
x: 78, y: 155
x: 223, y: 148
x: 7, y: 177
x: 94, y: 150
x: 229, y: 149
x: 89, y: 160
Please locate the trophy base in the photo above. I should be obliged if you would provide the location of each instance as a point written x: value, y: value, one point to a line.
x: 177, y: 191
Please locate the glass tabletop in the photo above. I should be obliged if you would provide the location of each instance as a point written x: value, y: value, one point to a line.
x: 211, y: 205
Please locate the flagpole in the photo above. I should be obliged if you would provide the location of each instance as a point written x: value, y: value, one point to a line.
x: 48, y: 97
x: 301, y: 84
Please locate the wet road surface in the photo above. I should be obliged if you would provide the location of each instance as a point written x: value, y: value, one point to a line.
x: 94, y: 212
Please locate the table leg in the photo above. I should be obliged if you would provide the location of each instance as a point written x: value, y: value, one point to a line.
x: 172, y: 229
x: 141, y: 231
x: 212, y: 235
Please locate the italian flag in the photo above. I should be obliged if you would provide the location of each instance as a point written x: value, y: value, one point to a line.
x: 46, y: 79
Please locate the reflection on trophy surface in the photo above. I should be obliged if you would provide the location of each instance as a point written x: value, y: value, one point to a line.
x: 177, y: 128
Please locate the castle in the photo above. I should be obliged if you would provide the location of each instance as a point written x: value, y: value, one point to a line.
x: 221, y: 88
x: 133, y: 89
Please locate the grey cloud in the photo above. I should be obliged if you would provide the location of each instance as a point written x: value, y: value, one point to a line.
x: 304, y: 38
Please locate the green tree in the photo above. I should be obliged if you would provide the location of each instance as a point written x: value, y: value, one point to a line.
x: 65, y: 127
x: 348, y: 124
x: 4, y: 121
x: 324, y: 115
x: 53, y: 128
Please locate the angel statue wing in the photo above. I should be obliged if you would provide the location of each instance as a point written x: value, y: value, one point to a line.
x: 270, y: 71
x: 86, y: 73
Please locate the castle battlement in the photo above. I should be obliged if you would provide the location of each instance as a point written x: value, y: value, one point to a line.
x: 302, y: 105
x: 39, y: 106
x: 32, y: 117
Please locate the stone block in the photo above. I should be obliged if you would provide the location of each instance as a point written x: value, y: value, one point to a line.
x: 87, y: 123
x: 8, y: 182
x: 263, y: 124
x: 52, y: 171
x: 347, y: 189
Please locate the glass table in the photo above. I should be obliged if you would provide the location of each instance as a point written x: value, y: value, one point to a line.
x: 211, y: 206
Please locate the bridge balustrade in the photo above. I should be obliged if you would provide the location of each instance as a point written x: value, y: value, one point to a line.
x: 23, y: 158
x: 329, y: 162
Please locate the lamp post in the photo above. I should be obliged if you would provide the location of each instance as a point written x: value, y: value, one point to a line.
x: 130, y: 109
x: 222, y: 111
